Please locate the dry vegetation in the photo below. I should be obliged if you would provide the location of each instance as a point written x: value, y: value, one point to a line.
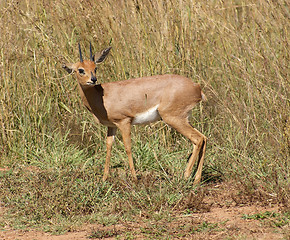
x: 238, y: 51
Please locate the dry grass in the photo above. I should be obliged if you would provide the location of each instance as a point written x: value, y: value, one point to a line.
x: 238, y: 51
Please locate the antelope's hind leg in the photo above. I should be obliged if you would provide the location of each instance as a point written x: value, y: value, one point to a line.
x: 198, y: 140
x: 201, y: 160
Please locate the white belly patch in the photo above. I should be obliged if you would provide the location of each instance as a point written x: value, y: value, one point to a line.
x: 151, y: 115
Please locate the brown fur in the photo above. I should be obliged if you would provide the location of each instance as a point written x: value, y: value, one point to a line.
x: 117, y: 104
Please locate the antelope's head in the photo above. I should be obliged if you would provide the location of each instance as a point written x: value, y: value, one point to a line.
x: 85, y: 70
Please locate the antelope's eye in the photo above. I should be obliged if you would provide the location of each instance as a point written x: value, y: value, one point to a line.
x: 81, y: 71
x: 95, y: 70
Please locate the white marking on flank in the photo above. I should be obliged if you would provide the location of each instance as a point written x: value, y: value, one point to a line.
x: 151, y: 115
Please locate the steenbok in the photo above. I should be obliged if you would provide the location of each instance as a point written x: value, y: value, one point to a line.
x: 140, y: 101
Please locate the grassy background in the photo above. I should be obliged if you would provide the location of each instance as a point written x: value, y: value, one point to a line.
x: 238, y: 51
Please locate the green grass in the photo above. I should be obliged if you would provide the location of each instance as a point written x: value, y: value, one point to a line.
x: 275, y: 219
x: 205, y: 226
x: 237, y: 50
x: 100, y: 234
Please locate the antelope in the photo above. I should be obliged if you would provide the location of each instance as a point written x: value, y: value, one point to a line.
x: 118, y: 105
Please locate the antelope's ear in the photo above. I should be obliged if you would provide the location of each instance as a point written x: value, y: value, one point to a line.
x: 103, y: 55
x: 69, y: 67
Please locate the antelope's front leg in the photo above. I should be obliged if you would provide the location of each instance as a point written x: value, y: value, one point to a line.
x: 125, y: 128
x: 109, y: 143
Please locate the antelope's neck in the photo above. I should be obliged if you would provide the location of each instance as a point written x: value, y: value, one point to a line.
x: 84, y: 94
x: 92, y: 97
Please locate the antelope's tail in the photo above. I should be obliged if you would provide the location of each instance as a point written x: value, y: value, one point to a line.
x: 203, y: 97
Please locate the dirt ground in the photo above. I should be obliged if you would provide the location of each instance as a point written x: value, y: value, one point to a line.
x: 234, y: 227
x: 222, y: 219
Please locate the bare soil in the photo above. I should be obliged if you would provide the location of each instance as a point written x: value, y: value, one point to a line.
x: 220, y: 217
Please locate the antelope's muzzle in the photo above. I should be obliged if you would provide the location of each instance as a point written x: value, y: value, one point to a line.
x: 93, y: 78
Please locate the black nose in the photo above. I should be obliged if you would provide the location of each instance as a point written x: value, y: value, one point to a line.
x: 93, y: 78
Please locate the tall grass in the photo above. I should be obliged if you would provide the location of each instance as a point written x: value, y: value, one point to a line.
x: 238, y: 51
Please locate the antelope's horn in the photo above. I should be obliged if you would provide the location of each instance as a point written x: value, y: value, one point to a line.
x: 91, y: 53
x: 81, y: 57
